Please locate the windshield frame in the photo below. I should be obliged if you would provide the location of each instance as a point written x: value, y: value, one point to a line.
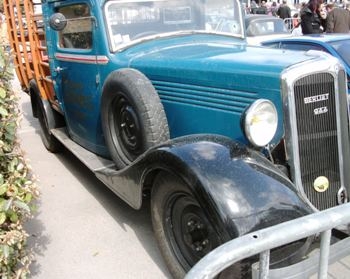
x: 123, y: 45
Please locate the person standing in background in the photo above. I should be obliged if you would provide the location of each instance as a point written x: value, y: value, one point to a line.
x: 311, y: 21
x: 253, y: 7
x: 322, y: 12
x: 262, y: 10
x: 338, y: 20
x: 284, y: 13
x: 274, y: 8
x: 284, y: 10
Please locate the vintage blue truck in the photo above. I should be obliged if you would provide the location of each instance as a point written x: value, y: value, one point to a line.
x: 224, y: 137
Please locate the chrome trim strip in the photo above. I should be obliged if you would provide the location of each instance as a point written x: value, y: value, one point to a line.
x: 323, y: 63
x: 82, y: 58
x: 339, y: 128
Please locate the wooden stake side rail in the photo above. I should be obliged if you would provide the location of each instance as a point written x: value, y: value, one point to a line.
x: 27, y: 41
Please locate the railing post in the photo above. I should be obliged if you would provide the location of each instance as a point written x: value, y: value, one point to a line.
x: 324, y: 254
x: 264, y: 264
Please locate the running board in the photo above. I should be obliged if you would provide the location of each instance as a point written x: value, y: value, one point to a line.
x: 91, y: 160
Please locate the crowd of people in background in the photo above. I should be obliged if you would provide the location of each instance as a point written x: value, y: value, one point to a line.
x: 314, y: 16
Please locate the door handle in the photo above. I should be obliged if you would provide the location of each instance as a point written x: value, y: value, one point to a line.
x: 59, y: 69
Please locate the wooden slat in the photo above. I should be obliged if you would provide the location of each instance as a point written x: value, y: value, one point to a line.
x: 48, y: 79
x: 30, y: 55
x: 22, y: 31
x: 45, y: 64
x: 11, y: 24
x: 42, y: 48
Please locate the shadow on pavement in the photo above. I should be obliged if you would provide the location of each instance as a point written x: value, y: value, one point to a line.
x: 37, y: 240
x: 138, y: 220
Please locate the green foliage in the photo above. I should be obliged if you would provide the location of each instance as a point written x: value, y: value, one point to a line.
x: 17, y: 190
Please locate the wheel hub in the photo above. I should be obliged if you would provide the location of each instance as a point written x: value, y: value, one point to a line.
x: 190, y: 233
x: 196, y: 235
x: 128, y: 126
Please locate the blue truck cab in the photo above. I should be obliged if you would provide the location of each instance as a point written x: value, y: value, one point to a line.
x: 225, y: 137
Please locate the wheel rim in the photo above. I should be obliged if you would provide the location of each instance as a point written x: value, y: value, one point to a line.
x: 190, y: 234
x: 127, y: 128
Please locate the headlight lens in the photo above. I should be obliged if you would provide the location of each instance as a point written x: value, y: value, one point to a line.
x: 260, y: 122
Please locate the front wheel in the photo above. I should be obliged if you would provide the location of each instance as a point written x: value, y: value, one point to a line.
x: 181, y: 228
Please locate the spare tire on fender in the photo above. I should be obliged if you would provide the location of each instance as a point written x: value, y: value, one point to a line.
x: 132, y: 115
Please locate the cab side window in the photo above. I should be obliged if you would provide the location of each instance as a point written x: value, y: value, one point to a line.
x: 78, y: 32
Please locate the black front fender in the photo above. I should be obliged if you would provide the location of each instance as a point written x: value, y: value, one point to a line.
x: 239, y: 190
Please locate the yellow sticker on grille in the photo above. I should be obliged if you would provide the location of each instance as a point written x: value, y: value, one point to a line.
x: 321, y: 184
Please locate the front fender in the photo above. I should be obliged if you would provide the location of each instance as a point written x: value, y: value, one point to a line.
x: 239, y: 190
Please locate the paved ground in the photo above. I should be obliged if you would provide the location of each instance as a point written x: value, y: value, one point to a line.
x: 81, y: 229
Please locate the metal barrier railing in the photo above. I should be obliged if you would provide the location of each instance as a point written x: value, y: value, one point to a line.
x: 262, y: 241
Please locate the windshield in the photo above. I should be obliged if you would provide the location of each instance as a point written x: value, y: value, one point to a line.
x: 129, y: 21
x: 268, y: 26
x: 342, y: 47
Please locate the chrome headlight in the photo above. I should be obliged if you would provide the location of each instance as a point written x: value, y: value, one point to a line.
x: 260, y: 122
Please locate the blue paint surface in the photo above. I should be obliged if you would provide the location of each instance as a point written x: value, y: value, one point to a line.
x: 205, y: 81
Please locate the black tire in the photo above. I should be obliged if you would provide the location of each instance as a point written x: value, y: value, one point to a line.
x: 47, y: 118
x: 183, y: 232
x: 133, y: 118
x: 178, y: 244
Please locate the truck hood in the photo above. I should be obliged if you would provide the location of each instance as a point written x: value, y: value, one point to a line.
x: 196, y: 72
x: 203, y: 59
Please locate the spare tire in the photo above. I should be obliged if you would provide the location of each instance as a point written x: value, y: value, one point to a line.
x: 132, y: 115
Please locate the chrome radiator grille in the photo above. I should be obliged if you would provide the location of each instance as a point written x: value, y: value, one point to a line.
x: 316, y: 123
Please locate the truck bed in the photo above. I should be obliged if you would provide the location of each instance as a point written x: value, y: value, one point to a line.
x: 27, y: 42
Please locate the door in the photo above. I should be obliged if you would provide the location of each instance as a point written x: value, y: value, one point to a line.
x: 76, y: 75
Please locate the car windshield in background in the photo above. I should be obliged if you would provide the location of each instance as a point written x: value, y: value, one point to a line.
x: 262, y: 27
x: 342, y: 48
x: 132, y: 20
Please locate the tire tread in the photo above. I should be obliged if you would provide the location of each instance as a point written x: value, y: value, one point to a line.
x: 146, y: 99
